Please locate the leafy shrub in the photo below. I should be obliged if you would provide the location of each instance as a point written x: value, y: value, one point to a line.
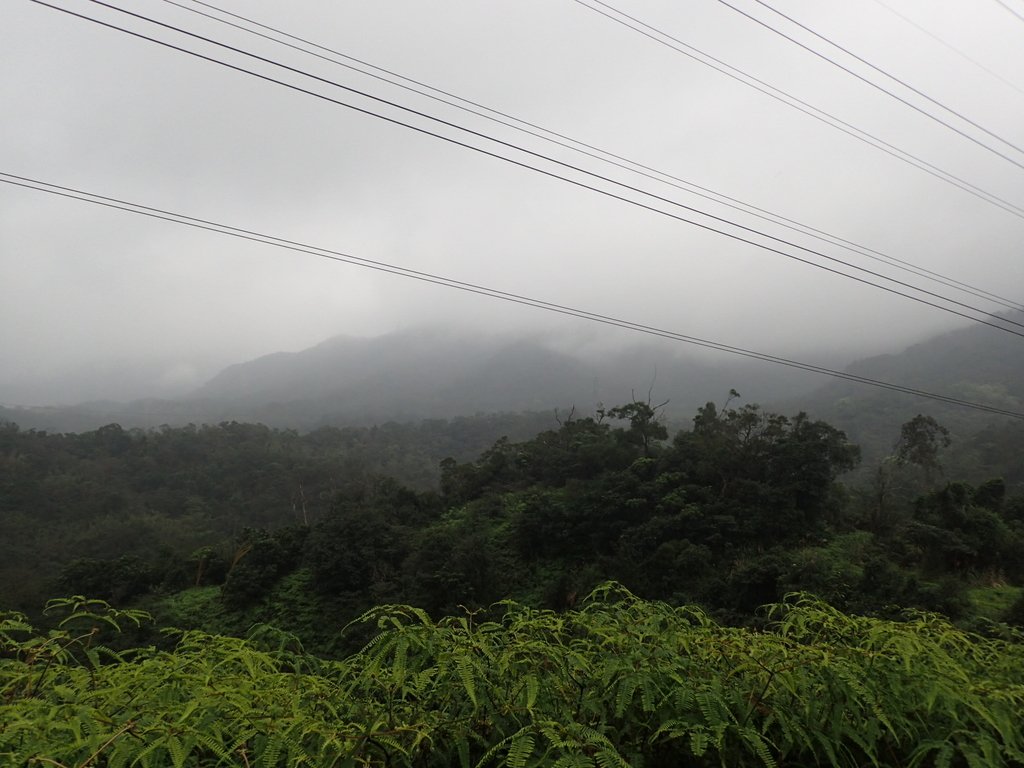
x: 619, y: 682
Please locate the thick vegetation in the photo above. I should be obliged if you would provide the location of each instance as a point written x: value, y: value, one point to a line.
x: 221, y: 527
x: 227, y: 531
x: 159, y: 497
x: 619, y: 682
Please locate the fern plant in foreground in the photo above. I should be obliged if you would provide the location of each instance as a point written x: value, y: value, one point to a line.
x: 620, y: 682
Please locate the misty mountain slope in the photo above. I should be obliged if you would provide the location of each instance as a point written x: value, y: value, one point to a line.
x: 404, y: 375
x: 977, y: 363
x: 426, y: 374
x: 342, y: 364
x: 532, y: 377
x: 413, y: 375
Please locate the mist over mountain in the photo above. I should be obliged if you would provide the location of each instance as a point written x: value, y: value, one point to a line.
x: 435, y: 373
x: 976, y: 363
x: 421, y: 374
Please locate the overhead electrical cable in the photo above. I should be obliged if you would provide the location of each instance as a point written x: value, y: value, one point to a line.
x: 878, y: 87
x: 1011, y: 9
x: 339, y: 256
x: 800, y: 105
x: 549, y: 173
x: 951, y: 47
x: 989, y: 197
x: 597, y: 153
x: 881, y: 71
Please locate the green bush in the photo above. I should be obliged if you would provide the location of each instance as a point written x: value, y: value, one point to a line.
x: 619, y: 682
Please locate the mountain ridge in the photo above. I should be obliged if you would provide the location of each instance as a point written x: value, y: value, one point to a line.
x: 434, y: 373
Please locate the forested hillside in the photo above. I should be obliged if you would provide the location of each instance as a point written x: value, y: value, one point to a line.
x: 161, y: 494
x: 220, y: 527
x: 970, y: 363
x: 283, y: 602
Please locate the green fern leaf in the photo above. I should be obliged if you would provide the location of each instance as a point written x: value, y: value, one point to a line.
x: 609, y: 758
x: 698, y: 742
x: 177, y: 751
x: 532, y: 689
x: 401, y: 653
x: 624, y: 697
x: 753, y: 738
x: 520, y: 751
x: 268, y: 754
x: 465, y: 669
x: 573, y: 761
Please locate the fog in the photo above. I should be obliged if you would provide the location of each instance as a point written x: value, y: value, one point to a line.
x: 102, y: 304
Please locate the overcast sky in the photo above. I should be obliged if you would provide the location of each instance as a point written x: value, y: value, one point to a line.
x: 87, y: 290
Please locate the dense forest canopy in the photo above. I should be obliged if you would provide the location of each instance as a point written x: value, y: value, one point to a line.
x: 157, y: 493
x: 289, y: 564
x: 210, y: 526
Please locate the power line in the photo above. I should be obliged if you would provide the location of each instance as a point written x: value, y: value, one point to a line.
x: 338, y: 256
x: 892, y: 77
x: 603, y: 156
x: 1011, y: 9
x: 801, y: 106
x: 952, y: 48
x: 551, y: 174
x: 876, y: 86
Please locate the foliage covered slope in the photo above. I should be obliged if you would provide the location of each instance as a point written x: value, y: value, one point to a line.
x: 973, y: 363
x: 160, y: 494
x: 620, y: 682
x: 220, y: 527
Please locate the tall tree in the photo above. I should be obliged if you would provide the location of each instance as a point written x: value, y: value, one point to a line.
x: 921, y: 440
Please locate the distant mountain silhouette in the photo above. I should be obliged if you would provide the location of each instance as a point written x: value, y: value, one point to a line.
x: 428, y: 374
x: 436, y: 374
x: 413, y: 375
x: 421, y: 374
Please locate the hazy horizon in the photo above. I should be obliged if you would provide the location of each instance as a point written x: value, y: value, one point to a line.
x: 137, y: 378
x: 101, y: 304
